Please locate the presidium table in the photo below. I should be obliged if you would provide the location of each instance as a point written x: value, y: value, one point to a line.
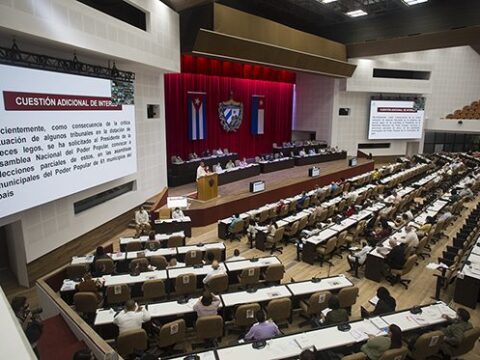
x: 319, y: 158
x: 186, y: 172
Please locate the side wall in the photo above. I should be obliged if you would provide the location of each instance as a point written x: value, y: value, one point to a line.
x: 454, y: 82
x: 314, y: 105
x: 58, y: 28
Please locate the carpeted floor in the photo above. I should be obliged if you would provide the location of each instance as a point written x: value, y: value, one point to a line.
x: 54, y: 330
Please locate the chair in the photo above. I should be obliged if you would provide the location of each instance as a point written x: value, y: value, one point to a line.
x: 131, y: 341
x: 153, y: 245
x: 175, y: 241
x: 105, y: 266
x: 139, y: 265
x: 276, y: 239
x: 426, y: 345
x: 395, y: 354
x: 153, y: 290
x: 171, y: 334
x: 291, y: 232
x: 312, y: 309
x: 421, y: 246
x: 249, y: 276
x: 76, y: 271
x: 217, y: 254
x: 86, y: 303
x: 218, y: 284
x: 325, y: 252
x: 133, y: 246
x: 341, y: 241
x: 164, y: 213
x: 193, y: 257
x: 209, y: 328
x: 354, y: 234
x: 274, y: 273
x: 185, y: 284
x: 245, y: 316
x: 322, y: 215
x: 469, y: 339
x: 356, y: 356
x: 409, y: 264
x: 347, y: 297
x: 235, y: 230
x: 117, y: 294
x: 280, y: 310
x: 159, y: 262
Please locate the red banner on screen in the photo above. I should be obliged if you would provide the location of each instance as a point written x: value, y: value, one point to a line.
x: 24, y: 101
x: 395, y: 109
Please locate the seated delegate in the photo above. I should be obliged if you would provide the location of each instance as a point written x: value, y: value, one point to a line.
x: 262, y: 329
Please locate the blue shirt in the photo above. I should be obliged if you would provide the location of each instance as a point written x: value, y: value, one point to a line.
x: 261, y: 331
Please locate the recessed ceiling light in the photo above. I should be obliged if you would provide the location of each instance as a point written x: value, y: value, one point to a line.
x: 356, y: 13
x: 414, y: 2
x: 327, y: 1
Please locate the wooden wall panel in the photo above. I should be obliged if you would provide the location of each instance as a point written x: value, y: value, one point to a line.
x: 214, y: 44
x: 238, y: 23
x: 83, y: 244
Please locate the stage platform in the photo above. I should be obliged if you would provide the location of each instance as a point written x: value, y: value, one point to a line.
x: 236, y: 197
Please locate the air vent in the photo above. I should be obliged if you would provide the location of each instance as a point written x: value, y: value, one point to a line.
x: 102, y: 197
x: 401, y: 74
x: 374, y: 146
x: 120, y: 10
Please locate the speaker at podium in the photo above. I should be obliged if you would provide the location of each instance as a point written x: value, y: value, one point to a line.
x: 207, y: 187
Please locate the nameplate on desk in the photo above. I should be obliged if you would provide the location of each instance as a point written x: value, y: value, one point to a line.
x: 313, y: 171
x: 257, y: 186
x: 352, y: 162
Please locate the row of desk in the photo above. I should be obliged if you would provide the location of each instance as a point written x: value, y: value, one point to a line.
x: 178, y: 252
x: 169, y: 226
x: 162, y: 238
x: 296, y: 148
x: 238, y: 173
x: 400, y: 175
x: 467, y: 284
x: 231, y: 268
x: 330, y: 337
x: 319, y: 158
x: 298, y: 290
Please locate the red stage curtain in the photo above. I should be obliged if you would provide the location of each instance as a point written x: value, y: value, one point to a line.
x: 278, y: 114
x: 208, y: 66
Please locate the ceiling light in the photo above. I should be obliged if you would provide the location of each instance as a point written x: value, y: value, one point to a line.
x: 414, y: 2
x: 327, y: 1
x: 356, y: 13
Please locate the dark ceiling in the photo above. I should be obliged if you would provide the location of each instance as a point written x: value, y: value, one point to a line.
x: 386, y: 18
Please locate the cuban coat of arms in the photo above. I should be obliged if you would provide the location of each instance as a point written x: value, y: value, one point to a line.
x: 230, y: 113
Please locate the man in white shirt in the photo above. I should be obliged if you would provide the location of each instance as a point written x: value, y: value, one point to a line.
x: 216, y: 270
x: 302, y: 152
x: 131, y: 318
x: 142, y: 220
x: 445, y: 216
x: 201, y: 170
x: 177, y: 214
x: 358, y: 258
x: 230, y: 165
x: 411, y: 238
x: 243, y: 163
x: 217, y: 168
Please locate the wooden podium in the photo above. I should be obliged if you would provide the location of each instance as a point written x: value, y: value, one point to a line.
x: 207, y: 187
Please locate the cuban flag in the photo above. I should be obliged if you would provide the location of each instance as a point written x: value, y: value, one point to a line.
x: 258, y: 110
x: 197, y: 115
